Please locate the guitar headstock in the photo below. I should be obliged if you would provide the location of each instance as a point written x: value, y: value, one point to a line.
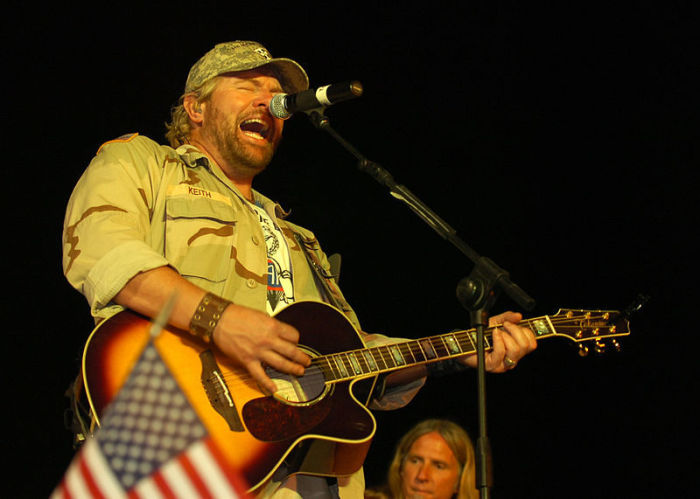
x: 600, y: 327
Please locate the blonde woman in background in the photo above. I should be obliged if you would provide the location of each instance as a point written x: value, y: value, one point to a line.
x: 435, y: 459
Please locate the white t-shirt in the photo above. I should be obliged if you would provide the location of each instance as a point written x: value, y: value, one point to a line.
x: 280, y: 284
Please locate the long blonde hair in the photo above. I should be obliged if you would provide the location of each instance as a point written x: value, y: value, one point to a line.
x: 460, y: 444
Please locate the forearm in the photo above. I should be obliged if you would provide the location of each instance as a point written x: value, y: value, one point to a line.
x: 405, y: 376
x: 147, y: 293
x: 398, y: 388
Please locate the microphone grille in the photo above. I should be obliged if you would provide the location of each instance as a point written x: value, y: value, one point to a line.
x: 278, y: 108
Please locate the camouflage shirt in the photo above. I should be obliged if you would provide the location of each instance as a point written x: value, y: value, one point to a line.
x: 140, y: 205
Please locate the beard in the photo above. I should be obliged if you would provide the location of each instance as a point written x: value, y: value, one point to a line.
x: 245, y: 158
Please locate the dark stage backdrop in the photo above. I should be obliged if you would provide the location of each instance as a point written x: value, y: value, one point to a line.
x: 559, y: 141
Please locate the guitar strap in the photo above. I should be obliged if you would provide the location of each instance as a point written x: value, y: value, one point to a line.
x: 325, y: 280
x: 77, y: 417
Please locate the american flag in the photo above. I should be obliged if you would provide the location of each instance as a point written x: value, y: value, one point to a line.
x: 150, y: 444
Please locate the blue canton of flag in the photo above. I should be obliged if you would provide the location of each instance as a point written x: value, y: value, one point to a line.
x: 151, y: 444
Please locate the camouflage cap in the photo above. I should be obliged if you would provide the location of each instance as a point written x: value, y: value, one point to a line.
x: 242, y: 56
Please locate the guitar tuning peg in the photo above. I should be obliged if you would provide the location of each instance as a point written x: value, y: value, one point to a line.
x: 583, y: 350
x: 600, y: 347
x: 616, y: 345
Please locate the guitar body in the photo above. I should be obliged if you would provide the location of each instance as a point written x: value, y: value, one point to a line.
x: 322, y: 429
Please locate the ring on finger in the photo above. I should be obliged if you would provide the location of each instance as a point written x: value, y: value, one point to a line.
x: 509, y: 363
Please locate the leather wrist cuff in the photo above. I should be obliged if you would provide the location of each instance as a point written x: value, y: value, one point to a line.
x: 207, y: 316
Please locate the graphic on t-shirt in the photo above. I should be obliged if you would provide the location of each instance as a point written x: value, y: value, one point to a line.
x: 275, y: 290
x: 279, y: 275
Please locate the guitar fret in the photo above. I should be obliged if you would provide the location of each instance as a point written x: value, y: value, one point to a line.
x: 329, y: 372
x: 405, y: 349
x: 396, y: 355
x: 406, y: 353
x: 360, y: 354
x: 417, y: 352
x: 334, y: 367
x: 378, y: 357
x: 347, y: 363
x: 369, y: 359
x: 386, y: 356
x: 355, y: 363
x: 428, y: 350
x: 341, y: 365
x: 441, y: 348
x: 452, y: 344
x: 541, y: 326
x: 467, y: 340
x: 470, y: 337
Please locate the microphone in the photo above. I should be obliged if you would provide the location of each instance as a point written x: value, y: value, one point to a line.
x: 282, y: 106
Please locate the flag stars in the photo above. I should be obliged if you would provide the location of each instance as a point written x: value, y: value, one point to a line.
x: 151, y: 424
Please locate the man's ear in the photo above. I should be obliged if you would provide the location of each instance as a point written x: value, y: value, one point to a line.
x: 194, y: 109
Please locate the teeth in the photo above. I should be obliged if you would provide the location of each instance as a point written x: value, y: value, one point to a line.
x: 258, y: 128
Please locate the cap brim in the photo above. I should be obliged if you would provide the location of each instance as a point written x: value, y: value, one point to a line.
x: 293, y: 76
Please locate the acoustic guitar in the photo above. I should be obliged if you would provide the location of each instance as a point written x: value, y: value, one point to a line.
x: 318, y: 423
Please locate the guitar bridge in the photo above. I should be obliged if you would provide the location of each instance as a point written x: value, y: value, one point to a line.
x: 217, y: 391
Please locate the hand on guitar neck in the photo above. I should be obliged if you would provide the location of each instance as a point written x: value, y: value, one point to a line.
x: 510, y: 342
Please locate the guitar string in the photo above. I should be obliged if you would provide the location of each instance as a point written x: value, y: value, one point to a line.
x: 409, y: 345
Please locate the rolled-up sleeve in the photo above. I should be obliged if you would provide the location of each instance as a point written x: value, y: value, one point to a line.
x: 393, y: 397
x: 107, y: 225
x: 111, y: 272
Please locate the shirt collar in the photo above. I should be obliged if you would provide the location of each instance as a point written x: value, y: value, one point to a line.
x: 193, y: 158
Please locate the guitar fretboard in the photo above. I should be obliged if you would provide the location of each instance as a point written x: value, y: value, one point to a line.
x: 375, y: 360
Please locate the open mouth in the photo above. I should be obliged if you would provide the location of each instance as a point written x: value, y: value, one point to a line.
x: 256, y: 128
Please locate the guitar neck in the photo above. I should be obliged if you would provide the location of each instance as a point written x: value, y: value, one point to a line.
x: 377, y: 360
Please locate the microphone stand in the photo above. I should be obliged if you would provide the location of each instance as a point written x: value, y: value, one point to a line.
x: 476, y: 292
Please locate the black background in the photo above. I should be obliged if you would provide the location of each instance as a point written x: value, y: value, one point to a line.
x: 558, y: 140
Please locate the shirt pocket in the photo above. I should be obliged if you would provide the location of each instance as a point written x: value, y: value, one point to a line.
x: 198, y: 237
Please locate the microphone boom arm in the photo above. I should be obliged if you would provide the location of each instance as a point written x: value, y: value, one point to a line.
x: 442, y: 228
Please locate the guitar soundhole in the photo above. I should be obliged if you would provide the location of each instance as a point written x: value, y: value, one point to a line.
x: 299, y: 390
